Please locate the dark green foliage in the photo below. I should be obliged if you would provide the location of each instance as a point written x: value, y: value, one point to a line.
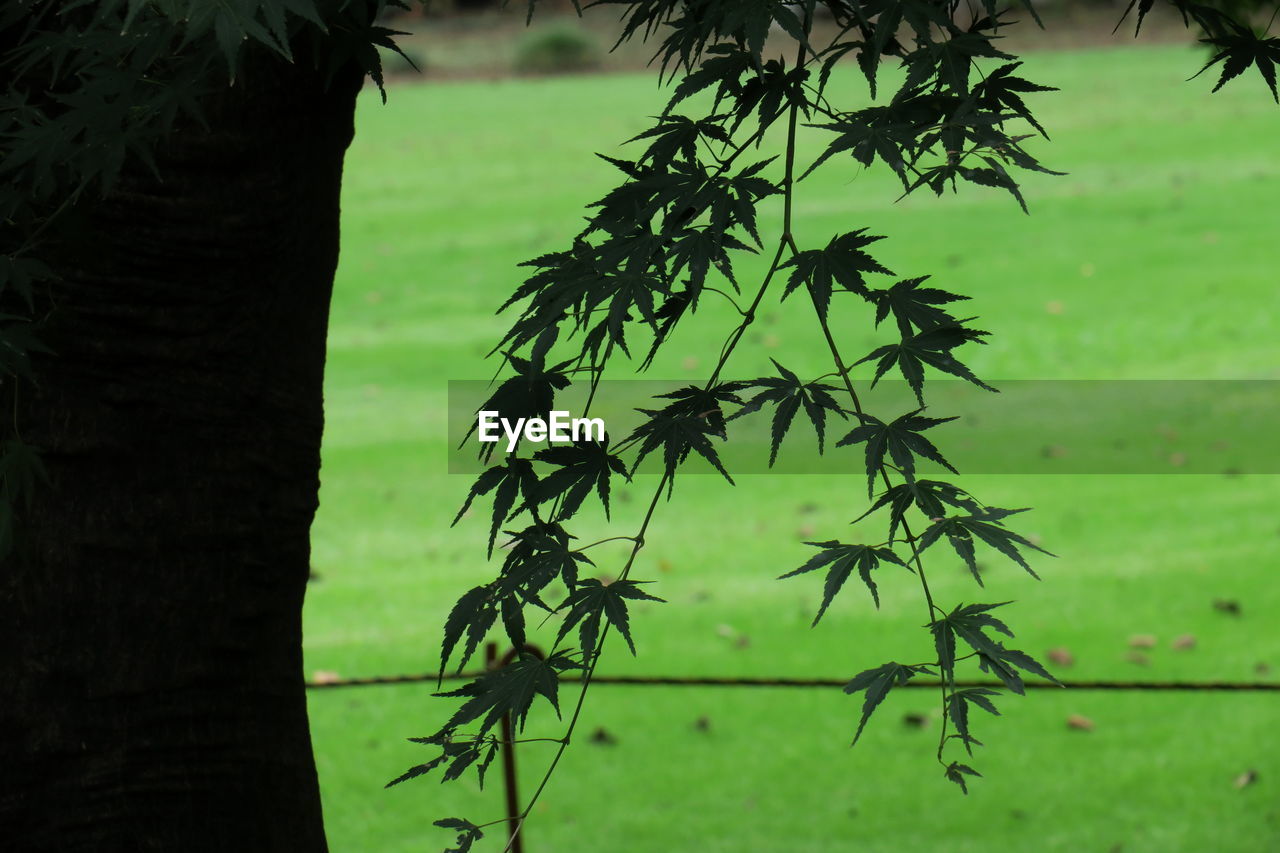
x: 510, y: 689
x: 928, y: 496
x: 913, y: 305
x: 968, y: 623
x: 686, y: 425
x: 900, y: 440
x: 583, y: 465
x: 91, y: 85
x: 843, y: 559
x: 593, y: 600
x: 877, y: 683
x: 513, y: 479
x: 458, y: 754
x: 556, y: 50
x: 666, y: 237
x: 958, y: 711
x: 468, y: 833
x: 1240, y: 49
x: 933, y: 348
x: 986, y: 525
x: 956, y: 772
x: 788, y: 394
x: 473, y: 614
x: 842, y: 262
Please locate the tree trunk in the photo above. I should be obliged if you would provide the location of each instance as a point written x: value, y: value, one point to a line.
x: 151, y: 688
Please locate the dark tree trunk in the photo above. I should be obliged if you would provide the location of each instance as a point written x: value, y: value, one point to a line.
x: 151, y: 689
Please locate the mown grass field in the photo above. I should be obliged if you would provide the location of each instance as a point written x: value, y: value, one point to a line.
x: 1154, y: 258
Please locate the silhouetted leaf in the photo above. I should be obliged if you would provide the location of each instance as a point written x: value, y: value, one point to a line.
x: 900, y: 439
x: 928, y: 496
x: 1000, y: 90
x: 842, y: 262
x: 912, y: 305
x: 956, y: 773
x: 877, y: 683
x: 685, y: 426
x: 932, y: 347
x: 788, y: 393
x: 958, y: 702
x: 473, y: 614
x: 844, y: 559
x: 536, y: 556
x: 468, y: 833
x: 966, y: 622
x: 509, y: 689
x: 1240, y: 50
x: 583, y: 465
x: 514, y: 478
x: 593, y: 600
x: 987, y: 525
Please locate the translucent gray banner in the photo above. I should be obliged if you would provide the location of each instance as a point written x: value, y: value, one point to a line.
x: 1220, y: 427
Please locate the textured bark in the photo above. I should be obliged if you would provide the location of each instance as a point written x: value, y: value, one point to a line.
x: 151, y: 693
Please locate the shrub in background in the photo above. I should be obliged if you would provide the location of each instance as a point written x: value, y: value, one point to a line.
x: 556, y: 50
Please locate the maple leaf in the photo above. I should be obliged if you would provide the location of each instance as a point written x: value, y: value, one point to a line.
x: 509, y: 689
x: 987, y: 525
x: 1240, y: 50
x: 677, y: 135
x: 932, y: 347
x: 1000, y: 91
x: 928, y: 496
x: 459, y: 754
x: 530, y: 393
x: 841, y: 262
x: 685, y: 426
x: 468, y: 833
x: 508, y: 481
x: 911, y: 305
x: 958, y: 702
x: 473, y: 614
x: 594, y: 600
x: 843, y: 560
x: 583, y: 465
x: 536, y: 556
x: 900, y: 439
x: 877, y: 683
x: 788, y: 393
x: 956, y: 772
x: 969, y: 623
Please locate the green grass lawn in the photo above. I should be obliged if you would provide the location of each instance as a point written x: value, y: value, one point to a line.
x: 1154, y: 258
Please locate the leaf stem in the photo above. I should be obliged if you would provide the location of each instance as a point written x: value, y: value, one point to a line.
x: 637, y: 544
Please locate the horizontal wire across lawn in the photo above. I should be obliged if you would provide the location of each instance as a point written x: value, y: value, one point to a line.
x: 705, y: 681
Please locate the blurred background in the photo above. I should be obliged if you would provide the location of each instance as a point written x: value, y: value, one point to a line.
x: 1155, y: 257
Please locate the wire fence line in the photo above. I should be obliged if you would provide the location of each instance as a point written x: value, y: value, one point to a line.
x: 509, y: 776
x: 713, y: 681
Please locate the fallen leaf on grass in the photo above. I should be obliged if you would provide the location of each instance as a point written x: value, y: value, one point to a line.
x: 1080, y: 723
x: 1142, y: 641
x: 1246, y: 779
x: 915, y: 720
x: 603, y: 736
x: 1061, y: 656
x: 1227, y: 605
